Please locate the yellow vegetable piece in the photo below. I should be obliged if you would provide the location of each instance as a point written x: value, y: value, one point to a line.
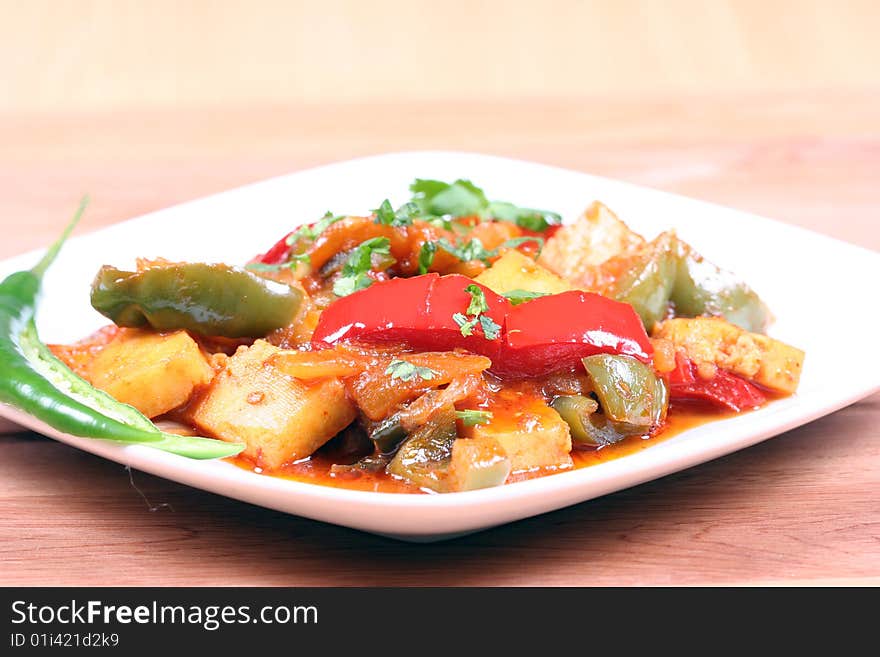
x: 517, y: 271
x: 279, y: 418
x: 477, y: 463
x: 154, y: 372
x: 576, y: 249
x: 714, y: 341
x: 531, y: 433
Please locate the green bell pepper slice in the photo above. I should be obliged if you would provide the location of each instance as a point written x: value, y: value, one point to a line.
x: 632, y: 397
x: 209, y: 299
x: 669, y: 271
x: 648, y: 282
x: 424, y: 458
x: 387, y: 434
x: 701, y: 288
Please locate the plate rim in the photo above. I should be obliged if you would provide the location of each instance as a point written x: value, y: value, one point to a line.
x: 681, y: 455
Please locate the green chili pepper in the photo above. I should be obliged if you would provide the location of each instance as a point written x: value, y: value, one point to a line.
x: 423, y: 459
x: 632, y: 397
x: 211, y: 299
x: 33, y: 380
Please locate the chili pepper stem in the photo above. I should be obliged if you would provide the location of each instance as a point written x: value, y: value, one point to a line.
x: 49, y: 257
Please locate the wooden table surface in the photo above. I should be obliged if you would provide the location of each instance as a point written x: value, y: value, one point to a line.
x: 802, y: 508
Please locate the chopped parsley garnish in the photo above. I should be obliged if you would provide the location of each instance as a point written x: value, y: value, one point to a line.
x: 462, y: 198
x: 517, y: 297
x: 471, y: 418
x: 311, y: 232
x: 355, y: 272
x: 403, y: 216
x: 516, y: 241
x: 471, y: 250
x: 478, y: 303
x: 466, y: 325
x: 406, y: 371
x: 458, y: 199
x: 490, y: 328
x: 426, y: 256
x: 528, y: 218
x: 290, y: 263
x: 476, y: 308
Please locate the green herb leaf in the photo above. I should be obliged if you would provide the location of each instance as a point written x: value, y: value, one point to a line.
x: 302, y: 257
x: 458, y: 199
x: 444, y: 223
x: 354, y: 275
x: 478, y: 300
x: 403, y: 216
x: 462, y: 198
x: 289, y: 264
x: 490, y: 328
x: 312, y: 232
x: 424, y: 188
x: 516, y: 241
x: 471, y: 417
x: 384, y: 213
x: 466, y: 325
x: 528, y: 218
x: 345, y: 285
x: 476, y: 308
x: 406, y: 371
x: 426, y: 256
x: 470, y: 250
x: 517, y: 297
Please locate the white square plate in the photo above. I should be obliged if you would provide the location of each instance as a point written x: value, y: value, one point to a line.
x: 818, y: 288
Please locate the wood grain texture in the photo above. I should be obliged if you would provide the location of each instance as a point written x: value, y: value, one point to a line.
x: 802, y: 508
x: 98, y: 54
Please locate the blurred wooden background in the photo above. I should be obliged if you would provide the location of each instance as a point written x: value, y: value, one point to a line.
x: 111, y: 54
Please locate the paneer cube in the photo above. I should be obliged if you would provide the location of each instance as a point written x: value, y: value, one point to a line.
x: 479, y: 462
x: 279, y: 418
x: 154, y: 372
x: 532, y: 434
x: 576, y: 249
x: 768, y: 362
x: 517, y: 271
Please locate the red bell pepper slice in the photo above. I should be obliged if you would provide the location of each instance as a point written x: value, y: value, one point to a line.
x: 724, y: 389
x: 544, y: 335
x: 554, y: 332
x: 417, y: 311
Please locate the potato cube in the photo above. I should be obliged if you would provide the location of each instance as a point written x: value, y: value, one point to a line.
x: 532, y: 434
x: 575, y: 250
x: 278, y: 417
x: 154, y: 372
x: 756, y: 357
x: 517, y: 271
x: 479, y: 462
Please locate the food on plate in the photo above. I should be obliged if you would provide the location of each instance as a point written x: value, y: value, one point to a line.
x: 450, y: 344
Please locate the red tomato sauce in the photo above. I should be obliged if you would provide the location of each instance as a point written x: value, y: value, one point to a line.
x: 316, y: 468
